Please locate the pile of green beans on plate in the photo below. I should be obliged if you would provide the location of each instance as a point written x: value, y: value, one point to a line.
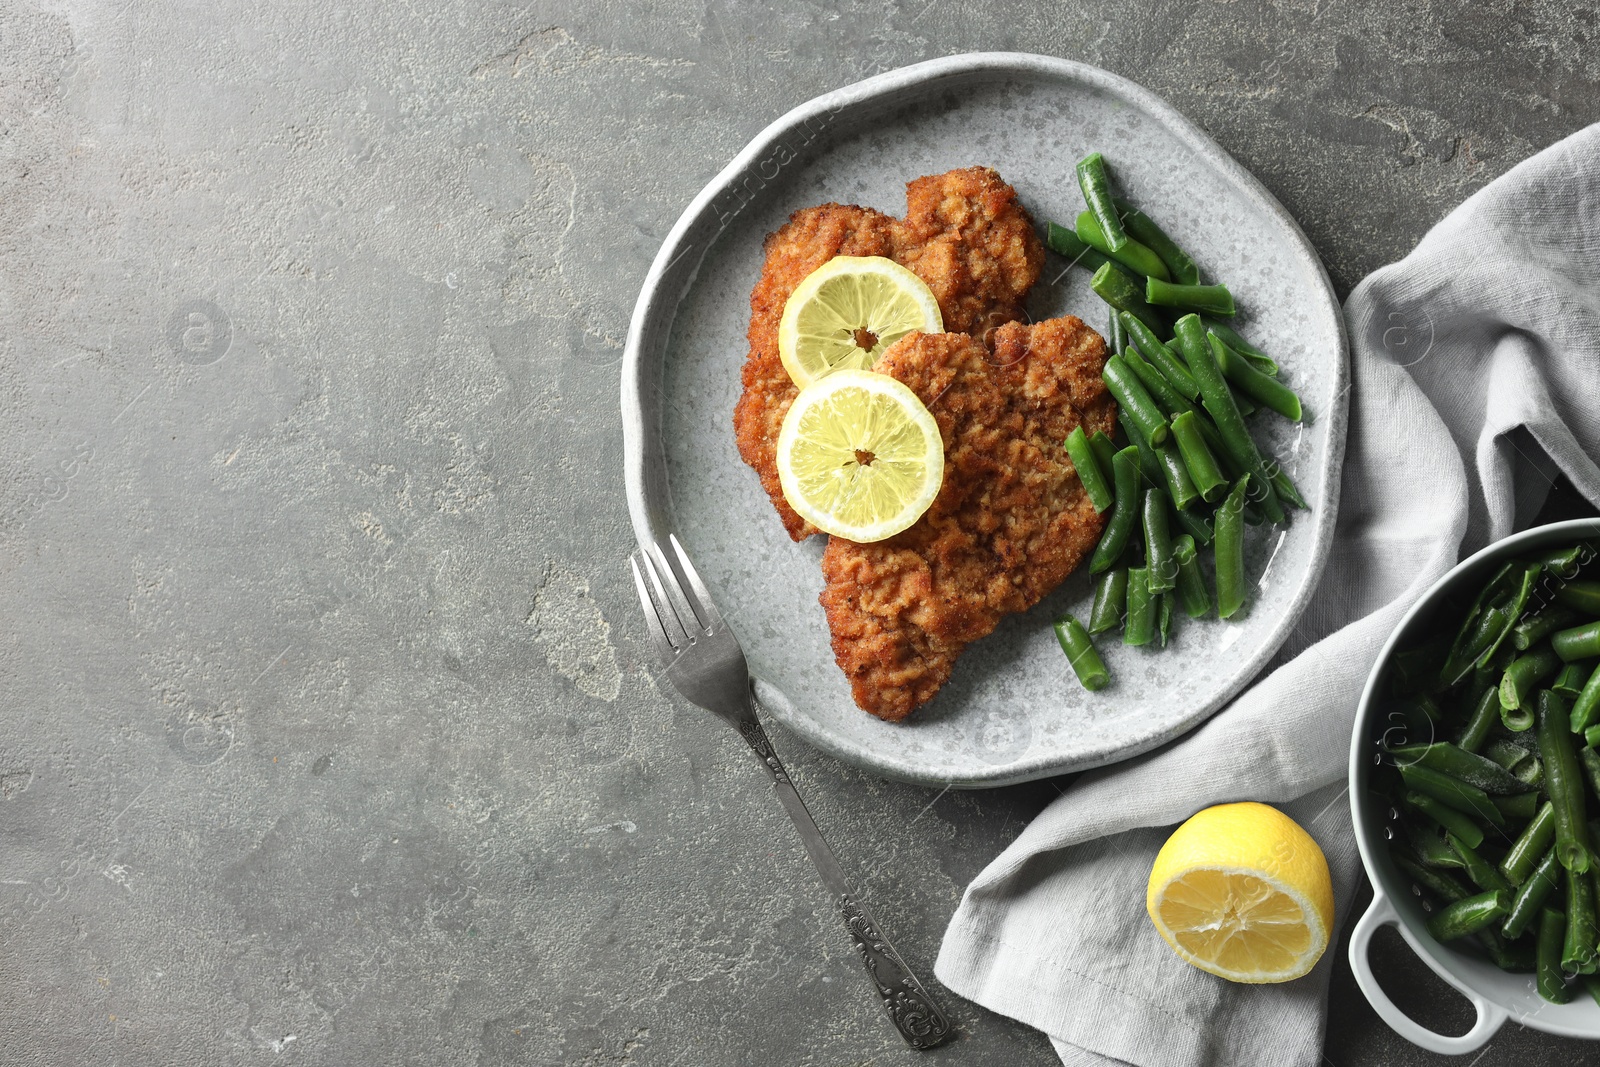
x: 1492, y: 775
x: 1184, y: 474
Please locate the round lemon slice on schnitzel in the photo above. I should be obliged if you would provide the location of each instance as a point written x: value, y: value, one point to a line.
x: 859, y: 455
x: 1242, y: 891
x: 847, y: 312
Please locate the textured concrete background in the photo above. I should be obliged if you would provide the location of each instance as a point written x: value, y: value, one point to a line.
x: 328, y: 736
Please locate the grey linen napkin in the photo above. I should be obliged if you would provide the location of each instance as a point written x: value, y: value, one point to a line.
x: 1475, y: 377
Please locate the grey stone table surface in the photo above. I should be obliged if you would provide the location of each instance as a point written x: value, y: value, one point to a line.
x: 329, y: 732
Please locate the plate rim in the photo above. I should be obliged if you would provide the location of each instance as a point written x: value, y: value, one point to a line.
x: 656, y: 308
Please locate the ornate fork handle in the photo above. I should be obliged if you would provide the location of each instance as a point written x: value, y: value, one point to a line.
x: 905, y: 1000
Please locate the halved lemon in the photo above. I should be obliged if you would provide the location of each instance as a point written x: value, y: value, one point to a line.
x: 1242, y: 891
x: 847, y: 311
x: 859, y: 455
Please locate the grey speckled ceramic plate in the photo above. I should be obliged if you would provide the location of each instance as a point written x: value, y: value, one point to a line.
x: 1013, y: 710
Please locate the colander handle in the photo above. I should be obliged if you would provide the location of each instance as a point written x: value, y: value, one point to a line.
x: 1490, y: 1016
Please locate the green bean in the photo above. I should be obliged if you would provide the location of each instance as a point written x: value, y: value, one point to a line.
x: 1262, y: 388
x: 1192, y: 592
x: 1096, y: 186
x: 1522, y: 679
x: 1508, y: 752
x: 1124, y: 512
x: 1064, y: 241
x: 1431, y: 849
x: 1458, y: 763
x: 1160, y: 561
x: 1110, y: 600
x: 1531, y: 772
x: 1490, y: 619
x: 1580, y: 642
x: 1259, y: 359
x: 1570, y: 680
x: 1116, y: 336
x: 1468, y: 799
x: 1584, y: 596
x: 1578, y: 951
x: 1133, y: 255
x: 1088, y: 470
x: 1518, y: 957
x: 1518, y: 808
x: 1548, y: 979
x: 1485, y: 715
x: 1284, y: 486
x: 1534, y: 841
x: 1470, y: 915
x: 1167, y: 398
x: 1229, y: 550
x: 1158, y: 353
x: 1086, y: 662
x: 1104, y: 449
x: 1589, y: 760
x: 1219, y: 401
x: 1591, y: 982
x: 1416, y: 670
x: 1196, y: 526
x: 1164, y: 616
x: 1586, y: 706
x: 1532, y: 894
x: 1135, y: 399
x: 1197, y: 458
x: 1149, y: 465
x: 1482, y: 873
x: 1591, y: 736
x: 1141, y: 623
x: 1176, y: 476
x: 1141, y: 228
x: 1446, y: 887
x: 1116, y: 288
x: 1452, y: 820
x: 1540, y: 625
x: 1562, y: 562
x: 1211, y: 299
x: 1562, y: 783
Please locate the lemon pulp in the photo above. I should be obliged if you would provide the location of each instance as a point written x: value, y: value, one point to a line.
x: 847, y: 312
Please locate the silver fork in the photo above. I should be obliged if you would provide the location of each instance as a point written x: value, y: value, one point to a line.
x: 704, y: 662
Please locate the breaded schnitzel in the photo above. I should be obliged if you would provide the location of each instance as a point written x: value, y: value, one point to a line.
x: 1009, y: 524
x: 964, y: 234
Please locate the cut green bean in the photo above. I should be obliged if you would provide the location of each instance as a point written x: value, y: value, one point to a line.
x: 1086, y: 662
x: 1518, y: 957
x: 1519, y: 682
x: 1534, y: 841
x: 1224, y: 409
x: 1258, y: 359
x: 1563, y: 783
x: 1444, y: 886
x: 1133, y: 255
x: 1578, y: 947
x: 1210, y: 299
x: 1104, y: 449
x: 1517, y: 808
x: 1117, y: 288
x: 1088, y: 470
x: 1164, y: 616
x: 1570, y: 680
x: 1161, y: 562
x: 1458, y: 763
x: 1591, y: 736
x: 1582, y: 596
x: 1192, y: 593
x: 1063, y: 241
x: 1449, y: 818
x: 1562, y: 562
x: 1167, y: 398
x: 1110, y: 601
x: 1548, y: 979
x: 1141, y: 227
x: 1175, y: 475
x: 1134, y: 399
x: 1198, y: 458
x: 1197, y: 526
x: 1140, y: 627
x: 1586, y: 705
x: 1535, y: 628
x: 1467, y: 799
x: 1431, y: 849
x: 1531, y: 895
x: 1116, y: 336
x: 1485, y: 716
x: 1481, y: 872
x: 1149, y: 465
x: 1579, y: 642
x: 1160, y: 355
x: 1229, y: 549
x: 1096, y: 186
x: 1591, y: 983
x: 1284, y: 486
x: 1262, y: 388
x: 1124, y: 512
x: 1470, y: 915
x: 1589, y: 761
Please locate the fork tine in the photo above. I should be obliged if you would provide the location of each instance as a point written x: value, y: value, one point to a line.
x: 694, y: 624
x: 706, y: 608
x: 652, y: 616
x: 670, y: 614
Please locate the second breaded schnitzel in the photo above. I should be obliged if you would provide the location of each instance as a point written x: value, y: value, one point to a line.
x: 964, y: 234
x: 1011, y: 520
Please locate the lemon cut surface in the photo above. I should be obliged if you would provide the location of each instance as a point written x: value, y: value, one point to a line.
x: 859, y: 455
x: 847, y: 312
x: 1241, y: 891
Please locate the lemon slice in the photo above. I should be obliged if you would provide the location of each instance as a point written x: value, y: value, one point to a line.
x: 859, y: 455
x: 1242, y: 891
x: 847, y: 311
